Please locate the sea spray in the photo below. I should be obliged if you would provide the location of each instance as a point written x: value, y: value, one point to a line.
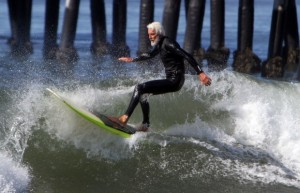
x: 257, y: 114
x: 14, y: 177
x: 226, y: 128
x: 83, y: 134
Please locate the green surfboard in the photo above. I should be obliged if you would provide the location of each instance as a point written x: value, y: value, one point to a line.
x: 100, y: 120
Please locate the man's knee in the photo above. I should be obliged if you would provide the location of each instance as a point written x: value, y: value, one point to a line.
x: 138, y: 90
x: 144, y: 98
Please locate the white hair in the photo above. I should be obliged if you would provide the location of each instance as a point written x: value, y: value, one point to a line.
x: 157, y: 27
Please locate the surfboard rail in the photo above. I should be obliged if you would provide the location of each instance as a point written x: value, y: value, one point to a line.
x: 124, y: 132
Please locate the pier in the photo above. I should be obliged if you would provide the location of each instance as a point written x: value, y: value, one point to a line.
x: 283, y: 51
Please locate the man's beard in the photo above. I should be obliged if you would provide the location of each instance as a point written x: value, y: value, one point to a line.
x: 155, y: 42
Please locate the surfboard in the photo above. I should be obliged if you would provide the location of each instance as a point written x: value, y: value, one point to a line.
x: 98, y: 119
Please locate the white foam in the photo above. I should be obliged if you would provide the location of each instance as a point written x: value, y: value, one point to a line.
x: 262, y: 115
x: 259, y: 114
x: 13, y: 176
x: 266, y: 116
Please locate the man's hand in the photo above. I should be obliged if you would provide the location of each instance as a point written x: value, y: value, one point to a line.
x: 204, y: 79
x: 126, y: 59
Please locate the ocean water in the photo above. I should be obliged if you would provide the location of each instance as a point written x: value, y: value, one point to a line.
x: 240, y: 135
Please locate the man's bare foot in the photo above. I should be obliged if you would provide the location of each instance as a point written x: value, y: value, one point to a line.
x: 123, y: 119
x: 116, y: 120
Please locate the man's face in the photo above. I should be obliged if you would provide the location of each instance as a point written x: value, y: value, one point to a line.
x: 153, y: 37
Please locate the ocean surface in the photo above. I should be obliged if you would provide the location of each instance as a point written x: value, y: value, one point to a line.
x: 240, y: 135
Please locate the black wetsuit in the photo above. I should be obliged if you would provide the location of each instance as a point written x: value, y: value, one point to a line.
x: 172, y: 56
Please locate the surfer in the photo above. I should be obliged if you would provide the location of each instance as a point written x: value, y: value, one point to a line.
x: 172, y: 57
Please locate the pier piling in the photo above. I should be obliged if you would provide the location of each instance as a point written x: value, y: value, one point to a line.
x: 283, y: 53
x: 217, y: 54
x: 67, y: 52
x: 192, y: 38
x: 99, y: 46
x: 273, y: 67
x: 12, y: 11
x: 51, y: 25
x: 245, y: 60
x: 119, y: 46
x: 171, y: 17
x: 292, y: 45
x: 146, y: 17
x: 20, y: 17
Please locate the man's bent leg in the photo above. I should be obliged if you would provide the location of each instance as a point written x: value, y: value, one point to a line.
x: 150, y: 87
x: 133, y: 103
x: 145, y: 108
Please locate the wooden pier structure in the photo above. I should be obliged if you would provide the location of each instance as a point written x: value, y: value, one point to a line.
x: 283, y: 49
